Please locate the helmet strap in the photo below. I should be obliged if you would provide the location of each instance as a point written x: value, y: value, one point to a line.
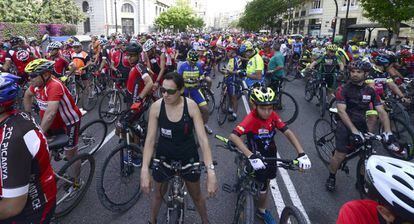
x: 45, y: 80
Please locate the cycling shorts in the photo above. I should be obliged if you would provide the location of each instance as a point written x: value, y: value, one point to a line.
x: 343, y: 134
x: 39, y: 217
x: 196, y: 95
x: 72, y: 131
x: 233, y: 85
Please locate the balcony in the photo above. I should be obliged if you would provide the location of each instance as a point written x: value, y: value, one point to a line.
x: 351, y: 8
x: 315, y: 11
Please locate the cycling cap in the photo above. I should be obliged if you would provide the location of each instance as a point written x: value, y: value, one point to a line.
x: 38, y: 67
x: 263, y: 96
x: 392, y: 182
x: 8, y: 88
x: 148, y: 45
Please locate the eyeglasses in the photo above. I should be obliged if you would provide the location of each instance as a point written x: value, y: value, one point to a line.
x: 169, y: 91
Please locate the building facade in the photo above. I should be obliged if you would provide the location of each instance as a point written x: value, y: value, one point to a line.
x: 122, y: 16
x: 314, y: 17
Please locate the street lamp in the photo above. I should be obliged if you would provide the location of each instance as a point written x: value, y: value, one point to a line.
x: 116, y: 18
x: 336, y: 16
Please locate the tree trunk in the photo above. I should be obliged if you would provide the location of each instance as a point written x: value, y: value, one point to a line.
x: 394, y: 33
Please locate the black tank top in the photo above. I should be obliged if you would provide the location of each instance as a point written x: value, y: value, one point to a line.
x: 176, y: 140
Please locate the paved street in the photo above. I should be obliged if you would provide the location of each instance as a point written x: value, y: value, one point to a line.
x: 304, y: 190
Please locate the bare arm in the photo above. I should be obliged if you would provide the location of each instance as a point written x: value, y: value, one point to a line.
x: 162, y: 68
x: 6, y: 65
x: 151, y: 135
x: 148, y: 86
x: 294, y: 141
x: 49, y: 116
x: 240, y: 145
x: 383, y: 116
x: 10, y: 207
x: 28, y: 100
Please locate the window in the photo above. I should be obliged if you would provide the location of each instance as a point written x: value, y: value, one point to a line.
x: 297, y: 14
x: 87, y: 26
x: 156, y: 10
x: 352, y: 2
x: 85, y: 6
x: 316, y: 4
x: 127, y: 26
x: 303, y: 13
x: 127, y: 8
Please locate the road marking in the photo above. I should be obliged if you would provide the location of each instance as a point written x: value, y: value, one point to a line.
x: 107, y: 138
x: 277, y: 196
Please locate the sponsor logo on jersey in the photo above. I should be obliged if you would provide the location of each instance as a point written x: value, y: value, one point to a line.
x: 22, y: 55
x: 366, y: 98
x: 8, y: 132
x: 240, y: 129
x: 166, y: 133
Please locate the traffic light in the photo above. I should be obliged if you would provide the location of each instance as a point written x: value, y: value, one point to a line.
x: 333, y: 23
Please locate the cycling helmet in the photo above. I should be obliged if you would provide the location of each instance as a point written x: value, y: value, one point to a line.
x: 38, y: 67
x: 247, y: 45
x: 16, y: 40
x: 102, y: 41
x: 263, y: 96
x: 192, y: 55
x: 76, y: 44
x: 54, y: 45
x: 232, y: 47
x: 391, y: 182
x: 332, y: 47
x: 381, y: 60
x: 134, y: 48
x: 31, y: 40
x: 148, y: 45
x: 362, y: 43
x: 8, y: 88
x: 354, y: 49
x: 405, y: 53
x: 360, y: 65
x: 267, y: 44
x: 206, y: 44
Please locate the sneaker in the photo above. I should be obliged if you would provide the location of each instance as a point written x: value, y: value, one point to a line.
x: 208, y: 129
x: 230, y: 110
x: 267, y: 217
x: 136, y: 161
x: 233, y: 117
x: 330, y: 184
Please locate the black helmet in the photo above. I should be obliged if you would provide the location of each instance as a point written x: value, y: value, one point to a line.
x: 134, y: 48
x: 16, y: 40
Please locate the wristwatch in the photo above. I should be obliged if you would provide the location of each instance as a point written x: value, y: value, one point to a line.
x: 211, y: 167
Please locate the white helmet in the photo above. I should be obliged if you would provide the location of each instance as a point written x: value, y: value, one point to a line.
x: 76, y: 44
x: 148, y: 45
x: 54, y: 45
x: 392, y: 182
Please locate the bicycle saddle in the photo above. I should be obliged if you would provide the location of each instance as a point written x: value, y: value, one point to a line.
x: 58, y: 141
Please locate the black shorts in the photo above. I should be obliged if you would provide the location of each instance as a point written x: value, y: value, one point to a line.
x: 72, y: 131
x: 39, y: 217
x: 343, y: 134
x: 163, y: 174
x: 270, y: 171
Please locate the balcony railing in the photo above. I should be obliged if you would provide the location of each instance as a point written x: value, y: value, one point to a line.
x: 315, y: 11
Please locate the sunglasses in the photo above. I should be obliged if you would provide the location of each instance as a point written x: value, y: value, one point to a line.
x: 169, y: 91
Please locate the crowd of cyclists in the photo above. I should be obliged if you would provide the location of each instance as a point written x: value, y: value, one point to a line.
x: 171, y: 68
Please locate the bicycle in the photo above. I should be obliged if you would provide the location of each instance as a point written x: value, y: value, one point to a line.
x: 93, y: 90
x: 92, y: 136
x: 70, y: 189
x: 291, y: 214
x: 111, y: 103
x: 208, y: 95
x: 118, y: 166
x: 286, y: 106
x: 324, y: 137
x: 246, y: 186
x: 225, y: 101
x: 177, y: 194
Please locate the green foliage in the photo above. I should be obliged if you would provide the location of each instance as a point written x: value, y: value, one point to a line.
x: 46, y: 11
x: 389, y: 13
x: 8, y: 30
x: 68, y: 30
x: 179, y: 18
x: 264, y: 13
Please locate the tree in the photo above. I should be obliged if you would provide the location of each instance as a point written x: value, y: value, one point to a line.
x: 389, y: 13
x: 46, y: 11
x: 178, y: 18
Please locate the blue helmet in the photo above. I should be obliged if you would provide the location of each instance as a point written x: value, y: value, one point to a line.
x: 382, y: 60
x: 8, y: 87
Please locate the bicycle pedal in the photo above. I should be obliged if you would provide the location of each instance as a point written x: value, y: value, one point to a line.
x: 228, y: 188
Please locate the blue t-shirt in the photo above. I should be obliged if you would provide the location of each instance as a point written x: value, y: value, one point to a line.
x: 191, y: 74
x: 297, y: 47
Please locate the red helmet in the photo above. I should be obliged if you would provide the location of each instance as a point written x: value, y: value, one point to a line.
x: 232, y: 47
x: 405, y: 53
x: 213, y: 43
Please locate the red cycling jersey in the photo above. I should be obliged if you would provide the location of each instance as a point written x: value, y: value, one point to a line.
x: 26, y: 169
x: 20, y: 56
x: 68, y: 112
x: 36, y: 51
x: 3, y: 55
x: 135, y: 82
x: 121, y: 62
x: 61, y: 63
x: 358, y: 212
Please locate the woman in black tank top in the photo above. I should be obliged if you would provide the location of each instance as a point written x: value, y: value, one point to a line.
x: 176, y: 118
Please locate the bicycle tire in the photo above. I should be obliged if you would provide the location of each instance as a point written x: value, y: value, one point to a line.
x: 322, y: 101
x: 89, y: 101
x: 360, y: 176
x: 333, y: 116
x: 404, y: 135
x: 209, y: 97
x: 104, y: 113
x: 244, y: 213
x: 324, y: 140
x: 86, y: 138
x: 222, y: 109
x: 309, y: 90
x: 125, y: 171
x: 174, y: 216
x: 290, y: 212
x: 285, y: 100
x: 83, y: 157
x: 399, y: 111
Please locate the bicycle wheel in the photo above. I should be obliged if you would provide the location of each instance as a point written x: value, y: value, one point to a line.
x: 245, y: 209
x: 209, y: 97
x: 110, y: 107
x: 118, y: 183
x: 90, y: 97
x: 175, y: 216
x: 309, y: 90
x: 69, y: 191
x: 360, y: 176
x: 292, y: 215
x: 287, y: 107
x: 405, y: 139
x: 91, y: 136
x: 399, y: 111
x: 222, y: 109
x: 322, y: 101
x: 324, y: 140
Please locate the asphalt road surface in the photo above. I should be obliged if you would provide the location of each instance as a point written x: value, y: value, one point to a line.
x: 305, y: 190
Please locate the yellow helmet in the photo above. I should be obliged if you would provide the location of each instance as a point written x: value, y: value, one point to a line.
x: 332, y: 47
x: 362, y: 43
x: 263, y: 96
x: 354, y: 48
x: 248, y: 45
x: 38, y: 67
